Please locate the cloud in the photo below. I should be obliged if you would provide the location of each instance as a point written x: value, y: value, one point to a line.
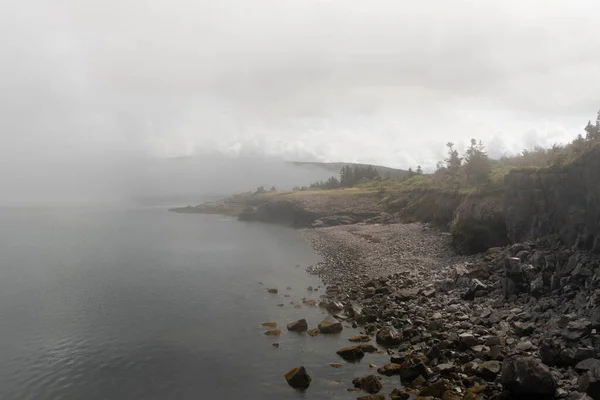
x: 379, y: 81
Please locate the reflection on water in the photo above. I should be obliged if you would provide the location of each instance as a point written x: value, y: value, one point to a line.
x: 146, y: 304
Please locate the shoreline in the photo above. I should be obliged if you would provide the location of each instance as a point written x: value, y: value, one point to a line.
x: 448, y: 315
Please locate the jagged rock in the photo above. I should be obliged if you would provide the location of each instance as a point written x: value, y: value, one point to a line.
x: 467, y: 340
x: 437, y: 389
x: 390, y: 369
x: 476, y: 287
x: 360, y: 338
x: 589, y: 383
x: 388, y: 337
x: 331, y: 306
x: 328, y: 327
x: 351, y: 353
x: 524, y: 328
x: 298, y: 378
x: 527, y: 376
x: 579, y: 396
x: 488, y: 370
x: 298, y: 326
x: 515, y: 279
x: 370, y: 384
x: 411, y: 370
x: 313, y: 332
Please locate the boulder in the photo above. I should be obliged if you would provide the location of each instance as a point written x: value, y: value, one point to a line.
x: 589, y: 383
x: 390, y: 369
x: 411, y: 370
x: 313, y: 332
x: 388, y: 337
x: 587, y: 365
x: 526, y: 376
x: 328, y: 327
x: 515, y: 279
x: 298, y: 378
x: 298, y: 326
x: 367, y: 348
x: 352, y: 353
x: 524, y: 328
x: 488, y: 370
x: 370, y: 384
x: 437, y: 389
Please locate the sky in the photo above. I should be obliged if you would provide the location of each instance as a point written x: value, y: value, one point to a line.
x: 88, y: 84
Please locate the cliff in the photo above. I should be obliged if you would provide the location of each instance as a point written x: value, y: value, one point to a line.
x: 561, y: 201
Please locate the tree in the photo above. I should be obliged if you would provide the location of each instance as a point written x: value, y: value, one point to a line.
x: 260, y: 189
x: 453, y: 162
x: 419, y: 170
x: 410, y: 172
x: 347, y: 176
x: 478, y: 166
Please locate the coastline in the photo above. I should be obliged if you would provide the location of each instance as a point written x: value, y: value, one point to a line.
x: 446, y: 320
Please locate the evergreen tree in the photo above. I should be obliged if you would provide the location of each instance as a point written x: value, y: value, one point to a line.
x: 478, y: 166
x: 453, y: 162
x: 410, y: 172
x: 419, y: 170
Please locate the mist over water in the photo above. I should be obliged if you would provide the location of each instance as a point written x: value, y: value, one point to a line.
x: 140, y: 303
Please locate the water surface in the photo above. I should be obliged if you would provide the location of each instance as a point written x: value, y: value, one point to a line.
x: 140, y: 303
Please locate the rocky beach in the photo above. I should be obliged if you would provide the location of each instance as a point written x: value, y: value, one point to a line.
x: 518, y: 322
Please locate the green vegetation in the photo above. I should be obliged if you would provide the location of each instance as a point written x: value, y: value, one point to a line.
x: 474, y: 172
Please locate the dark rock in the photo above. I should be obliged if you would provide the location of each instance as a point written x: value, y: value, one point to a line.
x: 328, y: 327
x: 298, y: 378
x: 398, y: 394
x: 467, y: 340
x: 367, y: 348
x: 352, y: 353
x: 388, y: 337
x: 587, y: 365
x: 437, y: 389
x: 515, y: 279
x: 589, y: 383
x: 525, y: 376
x: 411, y: 370
x: 370, y: 384
x: 272, y: 290
x: 524, y: 328
x: 298, y: 326
x: 390, y: 369
x: 488, y: 370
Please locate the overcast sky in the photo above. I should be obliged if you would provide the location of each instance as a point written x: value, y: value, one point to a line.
x: 386, y: 82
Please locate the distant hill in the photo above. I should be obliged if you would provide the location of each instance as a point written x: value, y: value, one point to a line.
x: 335, y: 167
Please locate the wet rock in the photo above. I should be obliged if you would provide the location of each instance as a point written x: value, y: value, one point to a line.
x: 298, y: 326
x: 390, y: 369
x: 352, y: 353
x: 276, y: 345
x: 335, y: 365
x: 269, y: 325
x: 527, y: 376
x: 298, y: 378
x: 360, y: 338
x: 273, y: 332
x: 272, y: 291
x: 328, y: 327
x: 313, y: 332
x: 370, y: 384
x: 398, y: 394
x: 368, y: 348
x: 388, y: 337
x: 332, y: 306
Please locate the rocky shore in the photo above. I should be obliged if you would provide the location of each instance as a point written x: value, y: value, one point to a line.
x: 519, y: 322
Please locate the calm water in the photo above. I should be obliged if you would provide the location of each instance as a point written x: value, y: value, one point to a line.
x: 147, y: 304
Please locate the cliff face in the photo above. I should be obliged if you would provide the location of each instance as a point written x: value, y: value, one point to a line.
x: 565, y: 202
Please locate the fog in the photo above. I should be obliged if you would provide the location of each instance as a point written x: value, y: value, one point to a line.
x: 98, y: 98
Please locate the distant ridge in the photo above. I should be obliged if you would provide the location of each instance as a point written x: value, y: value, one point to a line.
x: 335, y: 167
